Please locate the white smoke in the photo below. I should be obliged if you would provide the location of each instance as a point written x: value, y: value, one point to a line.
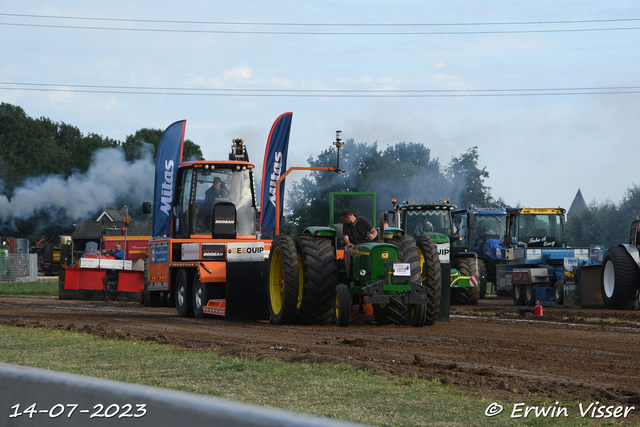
x: 109, y: 179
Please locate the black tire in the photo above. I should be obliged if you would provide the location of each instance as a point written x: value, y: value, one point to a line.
x: 200, y: 297
x: 285, y: 281
x: 319, y: 278
x: 467, y: 267
x: 530, y: 295
x: 431, y: 277
x: 558, y: 292
x: 482, y: 279
x: 518, y: 294
x: 418, y: 314
x: 619, y: 279
x: 342, y: 305
x: 182, y: 288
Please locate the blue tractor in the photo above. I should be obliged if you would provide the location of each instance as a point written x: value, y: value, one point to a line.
x: 481, y: 230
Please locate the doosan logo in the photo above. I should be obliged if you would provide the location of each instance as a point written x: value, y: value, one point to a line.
x: 213, y: 254
x: 229, y: 220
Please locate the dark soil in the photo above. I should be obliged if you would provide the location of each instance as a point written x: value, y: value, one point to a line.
x: 487, y: 350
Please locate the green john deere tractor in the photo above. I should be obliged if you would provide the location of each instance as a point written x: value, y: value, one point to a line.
x: 394, y: 278
x: 459, y: 263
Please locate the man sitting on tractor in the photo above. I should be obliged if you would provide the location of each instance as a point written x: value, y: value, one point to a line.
x: 424, y: 227
x: 356, y: 229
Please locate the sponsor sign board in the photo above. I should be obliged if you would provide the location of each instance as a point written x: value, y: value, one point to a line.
x: 246, y: 251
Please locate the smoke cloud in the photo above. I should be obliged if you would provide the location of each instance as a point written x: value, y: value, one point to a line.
x: 109, y: 180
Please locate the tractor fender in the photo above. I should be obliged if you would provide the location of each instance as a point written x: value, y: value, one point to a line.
x: 633, y: 251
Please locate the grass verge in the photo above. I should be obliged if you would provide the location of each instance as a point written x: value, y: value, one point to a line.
x: 43, y: 288
x: 335, y: 391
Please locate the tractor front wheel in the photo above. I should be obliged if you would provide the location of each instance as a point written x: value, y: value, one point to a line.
x: 529, y: 295
x: 184, y: 306
x: 342, y: 305
x: 200, y: 297
x: 284, y: 280
x: 518, y: 294
x: 418, y: 314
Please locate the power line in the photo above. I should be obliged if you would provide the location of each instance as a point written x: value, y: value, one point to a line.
x: 319, y: 33
x: 353, y: 24
x: 319, y: 93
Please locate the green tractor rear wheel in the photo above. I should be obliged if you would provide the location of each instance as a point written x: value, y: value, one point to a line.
x: 342, y: 305
x: 431, y: 276
x: 319, y: 277
x: 285, y: 284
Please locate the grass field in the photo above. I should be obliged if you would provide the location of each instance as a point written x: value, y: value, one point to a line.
x: 42, y: 288
x: 335, y: 391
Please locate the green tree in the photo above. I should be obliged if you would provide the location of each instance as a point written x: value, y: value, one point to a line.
x: 404, y: 171
x: 467, y: 181
x: 147, y: 140
x: 605, y: 223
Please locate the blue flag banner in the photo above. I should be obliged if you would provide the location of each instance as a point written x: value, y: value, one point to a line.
x: 167, y: 161
x: 275, y: 164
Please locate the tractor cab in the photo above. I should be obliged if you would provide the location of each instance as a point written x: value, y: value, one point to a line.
x: 216, y: 199
x: 535, y: 228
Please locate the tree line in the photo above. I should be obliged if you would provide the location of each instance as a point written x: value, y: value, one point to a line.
x: 31, y: 148
x: 405, y: 171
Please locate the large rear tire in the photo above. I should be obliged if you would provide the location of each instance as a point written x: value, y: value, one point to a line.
x: 285, y: 280
x: 184, y: 305
x: 467, y: 267
x: 342, y: 305
x: 620, y: 279
x: 431, y: 277
x: 319, y: 278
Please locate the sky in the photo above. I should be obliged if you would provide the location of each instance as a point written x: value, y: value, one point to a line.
x: 548, y: 91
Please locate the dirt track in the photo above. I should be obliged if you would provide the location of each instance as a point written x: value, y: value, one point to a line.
x: 487, y: 350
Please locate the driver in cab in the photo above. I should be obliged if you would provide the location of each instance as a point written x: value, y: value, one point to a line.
x: 356, y: 229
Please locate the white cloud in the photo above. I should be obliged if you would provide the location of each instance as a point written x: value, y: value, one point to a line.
x: 239, y: 73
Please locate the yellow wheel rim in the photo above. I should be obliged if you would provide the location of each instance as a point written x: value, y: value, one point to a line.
x: 276, y: 280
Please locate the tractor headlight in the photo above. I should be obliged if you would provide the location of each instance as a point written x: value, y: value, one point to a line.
x: 498, y: 253
x: 363, y: 272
